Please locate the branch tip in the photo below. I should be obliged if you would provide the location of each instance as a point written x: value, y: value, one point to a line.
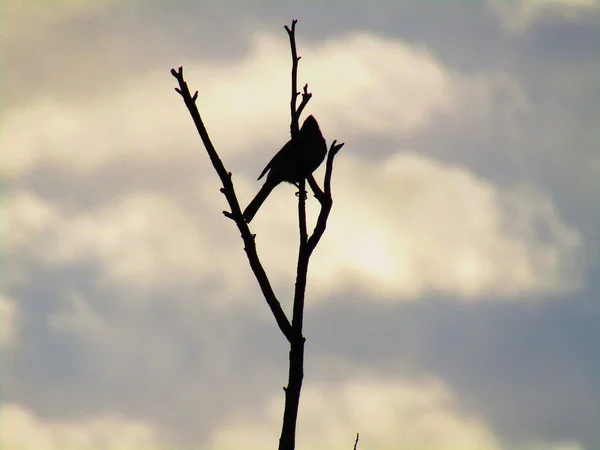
x: 336, y: 148
x: 177, y: 73
x: 356, y: 442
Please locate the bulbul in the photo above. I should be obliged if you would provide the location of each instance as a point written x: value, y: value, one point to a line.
x: 295, y: 161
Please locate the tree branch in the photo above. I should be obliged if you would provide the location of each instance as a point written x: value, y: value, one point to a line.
x: 295, y: 112
x: 292, y: 331
x: 287, y: 440
x: 319, y: 194
x: 356, y: 442
x: 236, y: 213
x: 326, y: 199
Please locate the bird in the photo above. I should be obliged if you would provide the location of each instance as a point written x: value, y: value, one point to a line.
x: 296, y: 160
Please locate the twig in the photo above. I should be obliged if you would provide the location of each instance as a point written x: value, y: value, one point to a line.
x: 326, y: 199
x: 306, y: 96
x: 356, y: 442
x: 319, y: 195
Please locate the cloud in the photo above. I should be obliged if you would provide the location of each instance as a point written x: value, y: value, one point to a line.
x: 387, y: 87
x: 518, y: 17
x: 397, y: 414
x: 9, y: 314
x: 78, y: 318
x: 468, y: 245
x: 23, y: 13
x: 142, y: 241
x: 411, y: 226
x: 102, y: 165
x: 23, y: 430
x: 408, y: 226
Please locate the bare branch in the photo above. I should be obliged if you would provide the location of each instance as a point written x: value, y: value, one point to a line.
x: 356, y: 442
x: 287, y: 440
x: 295, y: 113
x: 236, y: 213
x: 306, y: 96
x: 293, y: 330
x: 326, y: 200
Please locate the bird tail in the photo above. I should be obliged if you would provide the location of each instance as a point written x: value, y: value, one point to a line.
x: 258, y: 200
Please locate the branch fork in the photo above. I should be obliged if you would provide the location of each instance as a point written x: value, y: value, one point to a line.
x: 291, y: 330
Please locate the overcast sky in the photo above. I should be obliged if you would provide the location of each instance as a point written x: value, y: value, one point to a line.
x: 453, y: 303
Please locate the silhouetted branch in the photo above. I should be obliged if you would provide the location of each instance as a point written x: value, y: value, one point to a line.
x: 295, y: 112
x: 296, y: 369
x: 356, y: 442
x: 315, y: 188
x: 306, y: 96
x: 324, y: 198
x: 287, y: 440
x: 236, y: 213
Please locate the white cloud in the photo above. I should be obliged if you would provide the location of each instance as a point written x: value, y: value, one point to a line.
x: 396, y: 413
x: 518, y: 16
x: 388, y: 414
x: 142, y: 240
x: 30, y: 223
x: 23, y: 430
x: 387, y: 87
x: 409, y: 225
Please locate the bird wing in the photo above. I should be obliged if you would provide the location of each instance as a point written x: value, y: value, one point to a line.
x: 281, y: 154
x: 268, y: 167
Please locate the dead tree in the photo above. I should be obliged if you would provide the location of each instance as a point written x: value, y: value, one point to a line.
x: 291, y: 330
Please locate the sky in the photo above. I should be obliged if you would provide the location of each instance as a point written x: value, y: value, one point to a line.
x: 453, y: 302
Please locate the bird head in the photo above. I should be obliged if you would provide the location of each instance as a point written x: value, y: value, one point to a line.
x: 310, y: 124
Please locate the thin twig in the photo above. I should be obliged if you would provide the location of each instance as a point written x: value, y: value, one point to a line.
x: 356, y: 442
x: 294, y: 128
x: 326, y: 199
x: 306, y: 96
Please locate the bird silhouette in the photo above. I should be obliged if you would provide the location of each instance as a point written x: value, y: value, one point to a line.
x: 298, y: 158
